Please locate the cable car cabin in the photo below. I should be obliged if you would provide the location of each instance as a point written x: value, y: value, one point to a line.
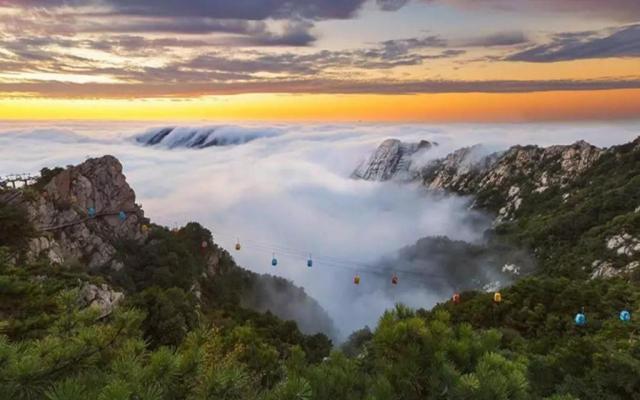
x: 309, y: 263
x: 497, y: 297
x: 625, y: 316
x: 92, y: 212
x: 274, y: 261
x: 580, y: 319
x: 394, y: 279
x: 356, y: 280
x: 122, y: 216
x: 456, y: 298
x: 238, y: 247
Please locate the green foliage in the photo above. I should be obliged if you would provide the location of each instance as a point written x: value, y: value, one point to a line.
x: 567, y: 228
x: 15, y: 227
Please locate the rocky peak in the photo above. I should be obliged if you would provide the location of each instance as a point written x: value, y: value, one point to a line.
x: 82, y: 211
x: 393, y: 159
x: 500, y: 181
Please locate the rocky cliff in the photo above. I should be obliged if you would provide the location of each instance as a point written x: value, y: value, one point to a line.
x: 393, y: 159
x: 502, y: 181
x: 80, y: 212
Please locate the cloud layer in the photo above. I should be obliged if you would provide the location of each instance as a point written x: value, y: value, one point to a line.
x: 290, y: 194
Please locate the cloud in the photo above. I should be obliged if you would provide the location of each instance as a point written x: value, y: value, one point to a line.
x: 498, y: 39
x: 291, y: 194
x: 391, y: 5
x: 622, y: 42
x: 54, y: 89
x: 219, y: 9
x: 623, y: 10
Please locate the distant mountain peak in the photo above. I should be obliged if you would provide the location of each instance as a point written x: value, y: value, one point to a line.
x: 393, y: 159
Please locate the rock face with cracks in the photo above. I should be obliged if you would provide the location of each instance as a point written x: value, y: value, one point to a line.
x: 393, y: 159
x: 62, y: 211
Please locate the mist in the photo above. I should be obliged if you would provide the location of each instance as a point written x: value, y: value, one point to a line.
x: 284, y: 191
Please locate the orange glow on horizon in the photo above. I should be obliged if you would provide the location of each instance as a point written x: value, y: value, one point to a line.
x: 465, y: 107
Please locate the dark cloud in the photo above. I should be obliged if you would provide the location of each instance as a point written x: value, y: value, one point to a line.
x: 183, y: 25
x: 312, y: 86
x: 623, y: 42
x: 221, y: 9
x: 391, y: 5
x: 498, y: 39
x: 624, y: 10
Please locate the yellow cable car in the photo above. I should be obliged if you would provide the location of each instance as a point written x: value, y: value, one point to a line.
x: 356, y: 280
x: 497, y: 297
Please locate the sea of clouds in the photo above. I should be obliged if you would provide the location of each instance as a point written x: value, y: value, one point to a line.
x: 286, y: 190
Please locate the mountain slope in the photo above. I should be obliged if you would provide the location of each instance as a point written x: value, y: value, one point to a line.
x: 573, y: 207
x: 86, y: 215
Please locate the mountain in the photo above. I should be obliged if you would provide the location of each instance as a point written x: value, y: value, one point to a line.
x: 393, y: 159
x: 203, y: 137
x: 501, y: 181
x: 444, y: 266
x: 165, y: 315
x: 575, y: 208
x: 86, y: 215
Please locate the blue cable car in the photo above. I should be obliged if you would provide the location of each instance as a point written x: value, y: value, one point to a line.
x: 625, y: 316
x: 92, y: 212
x: 122, y: 216
x: 274, y: 260
x: 580, y: 319
x: 309, y: 262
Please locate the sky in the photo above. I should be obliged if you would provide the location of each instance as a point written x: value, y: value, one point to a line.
x: 320, y: 60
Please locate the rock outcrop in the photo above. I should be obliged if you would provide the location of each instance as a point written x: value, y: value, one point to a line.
x: 501, y: 182
x: 62, y: 211
x: 393, y: 159
x: 100, y: 297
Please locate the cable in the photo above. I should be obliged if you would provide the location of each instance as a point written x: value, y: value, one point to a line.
x: 325, y: 260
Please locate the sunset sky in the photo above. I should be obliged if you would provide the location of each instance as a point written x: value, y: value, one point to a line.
x: 342, y: 60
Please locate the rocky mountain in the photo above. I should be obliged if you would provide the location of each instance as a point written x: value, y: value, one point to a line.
x: 80, y: 212
x: 502, y: 181
x: 575, y: 208
x: 393, y: 159
x: 86, y: 216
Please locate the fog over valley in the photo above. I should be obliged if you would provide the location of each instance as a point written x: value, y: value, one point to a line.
x: 285, y: 190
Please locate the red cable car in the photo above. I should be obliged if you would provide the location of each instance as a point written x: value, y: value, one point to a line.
x: 394, y: 279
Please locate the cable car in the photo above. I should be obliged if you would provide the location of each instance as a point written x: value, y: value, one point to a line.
x: 274, y: 260
x: 625, y: 316
x: 92, y: 212
x: 394, y: 279
x: 238, y: 247
x: 309, y: 262
x: 356, y: 280
x: 580, y: 319
x: 497, y: 297
x: 456, y: 298
x: 122, y: 216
